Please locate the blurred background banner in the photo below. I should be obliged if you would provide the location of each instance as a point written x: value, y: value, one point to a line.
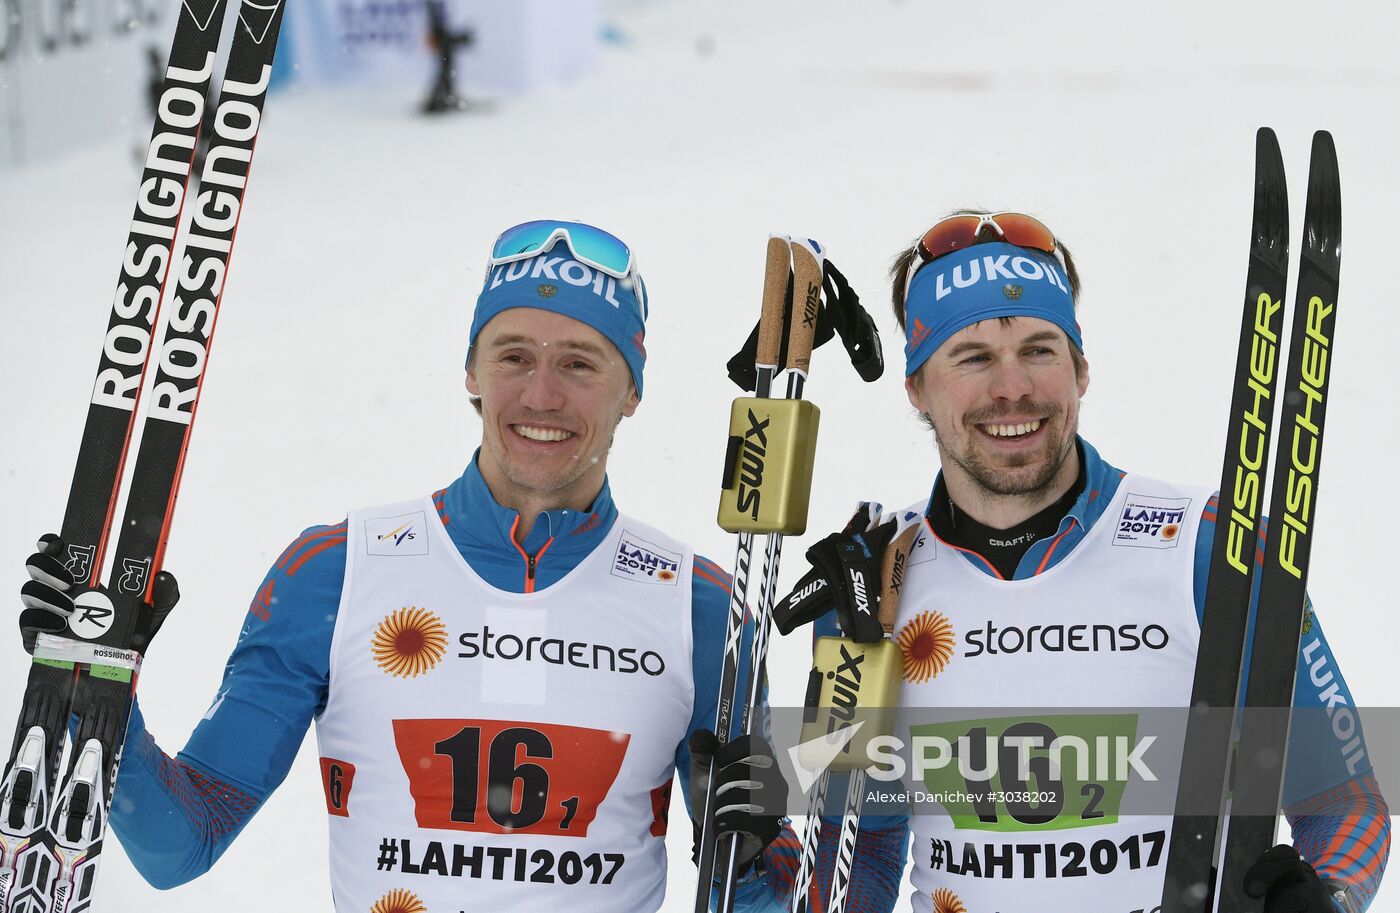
x: 515, y: 45
x: 76, y: 72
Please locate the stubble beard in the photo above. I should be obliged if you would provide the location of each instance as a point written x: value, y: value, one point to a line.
x: 1034, y: 473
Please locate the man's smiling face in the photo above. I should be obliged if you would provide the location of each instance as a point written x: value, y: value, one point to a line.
x: 552, y: 392
x: 1003, y: 397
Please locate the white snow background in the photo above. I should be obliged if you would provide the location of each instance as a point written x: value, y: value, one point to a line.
x: 336, y: 377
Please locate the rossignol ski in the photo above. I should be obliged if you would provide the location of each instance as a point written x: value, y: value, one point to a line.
x: 52, y: 828
x: 1206, y: 756
x: 1293, y: 515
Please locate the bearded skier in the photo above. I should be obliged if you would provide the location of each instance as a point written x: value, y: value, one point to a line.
x: 1023, y: 589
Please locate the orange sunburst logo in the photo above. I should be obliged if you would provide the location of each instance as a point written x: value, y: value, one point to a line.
x: 927, y: 643
x: 398, y: 901
x: 945, y: 901
x: 1169, y: 531
x: 409, y: 642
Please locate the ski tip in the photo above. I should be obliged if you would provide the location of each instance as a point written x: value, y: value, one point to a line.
x: 1322, y: 224
x: 1270, y: 227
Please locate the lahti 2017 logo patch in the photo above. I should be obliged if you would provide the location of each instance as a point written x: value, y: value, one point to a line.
x: 639, y: 560
x: 1148, y: 522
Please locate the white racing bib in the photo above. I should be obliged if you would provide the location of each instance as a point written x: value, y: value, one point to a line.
x: 490, y: 751
x: 1111, y: 626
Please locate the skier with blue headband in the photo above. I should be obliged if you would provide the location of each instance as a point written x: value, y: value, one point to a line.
x: 1043, y: 576
x: 505, y: 675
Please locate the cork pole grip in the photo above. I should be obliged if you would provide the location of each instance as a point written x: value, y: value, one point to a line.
x: 896, y: 563
x: 770, y: 324
x: 806, y: 301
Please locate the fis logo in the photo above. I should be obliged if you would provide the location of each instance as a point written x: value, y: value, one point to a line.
x: 923, y: 549
x: 1004, y: 268
x: 751, y: 459
x: 395, y: 536
x: 399, y: 535
x: 639, y: 560
x: 1148, y: 522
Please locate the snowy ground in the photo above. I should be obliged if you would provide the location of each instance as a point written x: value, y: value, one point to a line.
x: 337, y: 375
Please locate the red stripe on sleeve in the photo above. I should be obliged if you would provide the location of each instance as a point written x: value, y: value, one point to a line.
x: 703, y: 574
x: 337, y: 530
x: 313, y: 552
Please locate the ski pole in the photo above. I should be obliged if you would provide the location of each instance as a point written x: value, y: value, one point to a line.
x: 866, y: 700
x: 767, y: 481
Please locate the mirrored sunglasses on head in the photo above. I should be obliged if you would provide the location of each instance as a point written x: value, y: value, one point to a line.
x: 589, y: 244
x: 962, y: 231
x: 957, y: 232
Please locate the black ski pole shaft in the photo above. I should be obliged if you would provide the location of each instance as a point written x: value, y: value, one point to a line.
x: 770, y: 330
x: 807, y: 289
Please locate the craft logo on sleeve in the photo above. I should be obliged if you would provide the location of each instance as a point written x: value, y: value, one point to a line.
x: 637, y: 559
x: 406, y: 534
x: 1148, y: 522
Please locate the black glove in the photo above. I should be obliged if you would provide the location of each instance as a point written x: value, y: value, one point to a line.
x: 1288, y: 883
x: 48, y: 601
x: 750, y: 793
x: 853, y: 324
x: 845, y: 576
x: 47, y: 604
x: 839, y: 312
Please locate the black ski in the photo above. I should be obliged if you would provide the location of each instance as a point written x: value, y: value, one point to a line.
x: 1292, y: 510
x: 26, y: 794
x: 1205, y: 762
x: 53, y: 839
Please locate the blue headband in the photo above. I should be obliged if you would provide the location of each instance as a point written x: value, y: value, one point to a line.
x: 565, y: 286
x: 984, y: 280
